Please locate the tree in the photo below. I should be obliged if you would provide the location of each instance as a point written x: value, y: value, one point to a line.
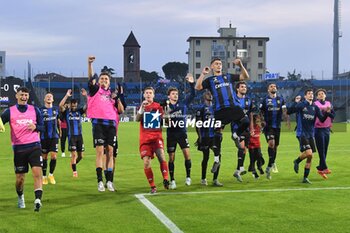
x: 175, y: 70
x: 149, y: 77
x: 293, y: 76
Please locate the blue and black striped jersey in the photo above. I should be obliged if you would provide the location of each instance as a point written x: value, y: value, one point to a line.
x: 306, y: 117
x: 178, y: 113
x: 206, y: 113
x: 50, y: 120
x: 74, y: 119
x: 272, y: 110
x: 247, y: 105
x: 221, y: 87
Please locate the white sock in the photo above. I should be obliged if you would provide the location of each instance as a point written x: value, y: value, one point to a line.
x: 216, y: 159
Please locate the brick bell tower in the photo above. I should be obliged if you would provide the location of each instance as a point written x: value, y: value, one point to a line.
x: 131, y: 59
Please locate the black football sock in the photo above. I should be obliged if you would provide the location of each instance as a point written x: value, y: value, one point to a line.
x: 171, y: 167
x: 188, y: 165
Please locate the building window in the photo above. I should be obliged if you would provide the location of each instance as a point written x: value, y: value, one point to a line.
x: 233, y: 43
x: 260, y: 54
x: 260, y: 76
x: 228, y: 65
x: 198, y: 42
x: 260, y: 65
x: 214, y: 42
x: 197, y: 76
x: 0, y: 60
x: 245, y: 44
x: 198, y: 65
x: 244, y: 64
x: 198, y: 53
x: 260, y: 43
x: 233, y: 54
x: 228, y: 53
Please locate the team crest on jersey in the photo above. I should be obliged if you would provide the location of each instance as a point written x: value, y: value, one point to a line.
x: 305, y: 109
x: 278, y: 102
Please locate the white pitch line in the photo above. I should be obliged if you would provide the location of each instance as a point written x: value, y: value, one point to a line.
x: 159, y: 214
x: 249, y: 191
x: 172, y: 226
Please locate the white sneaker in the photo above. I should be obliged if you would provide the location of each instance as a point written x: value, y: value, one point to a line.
x: 101, y: 187
x: 217, y: 183
x: 188, y: 181
x: 63, y: 155
x: 204, y: 182
x: 21, y: 203
x: 238, y: 176
x: 110, y: 186
x: 274, y: 168
x: 172, y: 184
x: 37, y: 205
x: 268, y: 173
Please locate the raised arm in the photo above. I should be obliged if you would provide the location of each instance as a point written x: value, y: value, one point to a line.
x: 83, y: 92
x: 199, y: 82
x: 63, y: 101
x: 91, y: 59
x: 189, y: 78
x: 244, y: 73
x: 141, y: 110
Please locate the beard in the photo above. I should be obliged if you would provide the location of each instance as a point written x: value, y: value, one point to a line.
x: 273, y: 92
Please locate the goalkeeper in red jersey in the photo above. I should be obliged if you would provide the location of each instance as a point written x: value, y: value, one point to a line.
x: 151, y: 139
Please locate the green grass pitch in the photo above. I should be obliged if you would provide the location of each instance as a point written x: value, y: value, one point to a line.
x: 75, y: 205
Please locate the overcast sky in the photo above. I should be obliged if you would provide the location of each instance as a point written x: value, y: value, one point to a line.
x: 57, y: 36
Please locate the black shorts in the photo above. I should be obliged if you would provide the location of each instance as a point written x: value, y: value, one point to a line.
x: 205, y: 144
x: 104, y: 135
x: 115, y: 149
x: 49, y: 145
x: 76, y: 143
x: 31, y: 156
x: 245, y: 136
x: 272, y: 134
x: 307, y: 144
x: 229, y: 115
x: 173, y: 139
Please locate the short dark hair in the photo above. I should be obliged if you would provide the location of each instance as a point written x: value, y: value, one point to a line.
x: 170, y: 89
x: 49, y: 92
x: 73, y: 101
x: 205, y: 93
x: 214, y: 59
x: 271, y: 84
x: 308, y: 90
x: 22, y: 89
x: 240, y: 83
x: 321, y: 89
x: 105, y: 73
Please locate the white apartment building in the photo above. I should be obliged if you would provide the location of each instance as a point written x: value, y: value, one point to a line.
x: 2, y: 64
x: 227, y: 46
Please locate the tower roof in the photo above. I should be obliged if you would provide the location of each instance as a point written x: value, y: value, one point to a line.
x: 131, y: 41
